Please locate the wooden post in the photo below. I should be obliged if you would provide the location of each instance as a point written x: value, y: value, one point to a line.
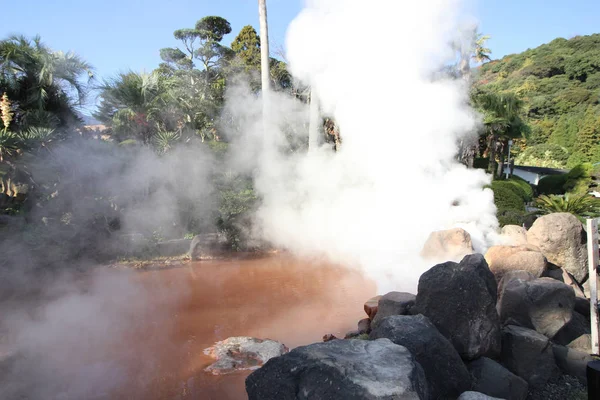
x: 592, y: 241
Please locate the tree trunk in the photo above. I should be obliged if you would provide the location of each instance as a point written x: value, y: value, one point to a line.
x: 264, y: 50
x: 313, y: 128
x: 492, y: 154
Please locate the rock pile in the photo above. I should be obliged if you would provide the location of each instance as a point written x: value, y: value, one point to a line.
x: 502, y: 326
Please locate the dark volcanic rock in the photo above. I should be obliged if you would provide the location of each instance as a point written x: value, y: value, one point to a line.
x: 364, y: 326
x: 493, y: 379
x: 447, y: 375
x: 460, y: 300
x: 577, y: 327
x: 528, y: 354
x: 571, y: 361
x: 341, y: 370
x: 476, y: 396
x: 543, y: 304
x: 394, y: 303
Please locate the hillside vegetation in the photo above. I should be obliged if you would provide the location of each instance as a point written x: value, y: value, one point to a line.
x: 559, y: 84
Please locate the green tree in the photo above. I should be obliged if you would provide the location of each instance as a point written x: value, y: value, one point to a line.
x: 130, y: 104
x: 246, y: 46
x: 45, y: 86
x: 588, y: 137
x: 501, y: 120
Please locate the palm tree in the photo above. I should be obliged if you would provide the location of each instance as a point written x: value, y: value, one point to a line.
x: 130, y: 103
x: 501, y: 121
x: 265, y: 60
x: 473, y: 50
x: 582, y: 206
x: 46, y: 86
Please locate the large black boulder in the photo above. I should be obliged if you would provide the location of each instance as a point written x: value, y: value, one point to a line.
x: 446, y: 373
x: 341, y: 370
x: 528, y: 354
x: 494, y: 380
x: 460, y: 300
x: 543, y: 304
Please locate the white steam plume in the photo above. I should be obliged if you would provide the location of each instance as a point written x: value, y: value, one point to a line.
x: 374, y: 203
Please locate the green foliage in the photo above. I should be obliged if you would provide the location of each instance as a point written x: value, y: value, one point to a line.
x: 164, y: 141
x: 544, y: 155
x: 246, y: 46
x: 9, y: 144
x: 40, y: 81
x: 559, y: 83
x: 521, y: 187
x: 579, y: 179
x: 236, y: 203
x: 509, y: 201
x: 552, y: 184
x: 580, y: 205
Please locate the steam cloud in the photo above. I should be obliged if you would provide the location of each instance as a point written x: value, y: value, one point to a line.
x: 373, y: 204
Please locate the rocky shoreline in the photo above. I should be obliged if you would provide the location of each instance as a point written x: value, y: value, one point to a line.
x: 513, y: 324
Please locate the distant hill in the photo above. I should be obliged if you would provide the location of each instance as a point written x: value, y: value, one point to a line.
x: 560, y: 85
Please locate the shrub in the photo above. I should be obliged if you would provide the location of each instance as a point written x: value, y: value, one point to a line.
x: 552, y: 184
x: 579, y: 179
x: 510, y: 217
x: 509, y: 202
x: 516, y: 185
x: 506, y: 197
x: 582, y: 205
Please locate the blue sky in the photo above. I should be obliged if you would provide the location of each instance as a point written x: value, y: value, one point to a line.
x: 117, y: 35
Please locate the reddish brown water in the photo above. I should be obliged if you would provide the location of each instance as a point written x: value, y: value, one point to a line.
x: 277, y: 297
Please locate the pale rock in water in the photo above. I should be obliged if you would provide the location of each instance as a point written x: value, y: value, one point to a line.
x: 239, y: 353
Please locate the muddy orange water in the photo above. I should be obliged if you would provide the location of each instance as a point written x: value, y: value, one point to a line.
x: 276, y: 297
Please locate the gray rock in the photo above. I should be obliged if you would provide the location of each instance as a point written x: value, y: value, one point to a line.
x: 561, y: 275
x: 528, y: 354
x: 562, y: 239
x: 208, y: 245
x: 571, y: 361
x: 341, y: 369
x: 493, y: 379
x: 577, y: 327
x: 394, y: 303
x: 477, y: 396
x: 582, y: 306
x: 509, y: 276
x: 582, y: 343
x: 364, y: 326
x: 543, y: 304
x: 445, y: 371
x: 239, y: 353
x: 460, y: 300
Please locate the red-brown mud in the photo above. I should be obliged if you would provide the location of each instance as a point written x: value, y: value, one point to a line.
x: 277, y: 297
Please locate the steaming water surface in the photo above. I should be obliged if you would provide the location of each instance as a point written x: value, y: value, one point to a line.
x: 277, y: 297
